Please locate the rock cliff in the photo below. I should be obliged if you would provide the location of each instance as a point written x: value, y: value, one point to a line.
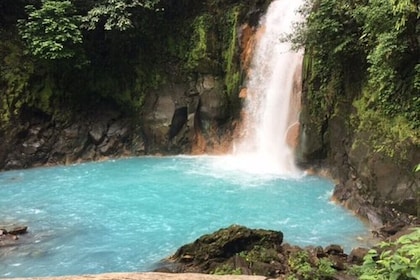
x: 379, y: 188
x: 174, y: 92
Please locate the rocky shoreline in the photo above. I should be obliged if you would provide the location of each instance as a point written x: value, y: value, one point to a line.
x: 148, y: 276
x: 240, y: 250
x: 233, y: 251
x: 384, y: 221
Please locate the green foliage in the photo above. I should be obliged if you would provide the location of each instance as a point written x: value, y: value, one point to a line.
x: 15, y: 73
x: 390, y: 136
x: 398, y: 260
x: 226, y: 269
x: 115, y: 14
x: 259, y: 254
x: 329, y: 33
x: 390, y: 105
x: 393, y: 67
x: 52, y: 31
x: 302, y: 268
x: 373, y: 43
x: 404, y: 9
x: 198, y: 47
x: 44, y: 96
x: 232, y: 76
x: 333, y: 54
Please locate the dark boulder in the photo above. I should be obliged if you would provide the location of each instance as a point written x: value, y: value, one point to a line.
x: 227, y: 242
x: 357, y: 254
x: 224, y: 247
x: 334, y: 249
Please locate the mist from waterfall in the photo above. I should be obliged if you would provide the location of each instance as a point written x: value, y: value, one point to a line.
x: 274, y: 80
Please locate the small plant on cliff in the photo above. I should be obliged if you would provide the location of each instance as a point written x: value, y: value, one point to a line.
x: 302, y: 268
x: 198, y: 48
x: 233, y: 76
x: 398, y: 260
x: 15, y: 74
x: 227, y: 269
x: 259, y: 254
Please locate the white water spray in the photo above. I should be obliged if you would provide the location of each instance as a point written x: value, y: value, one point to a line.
x: 270, y: 89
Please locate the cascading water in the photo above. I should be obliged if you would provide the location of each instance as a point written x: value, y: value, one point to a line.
x: 270, y: 90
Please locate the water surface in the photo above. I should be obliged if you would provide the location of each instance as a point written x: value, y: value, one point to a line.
x: 126, y: 215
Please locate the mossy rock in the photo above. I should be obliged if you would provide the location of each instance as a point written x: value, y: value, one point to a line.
x: 218, y: 247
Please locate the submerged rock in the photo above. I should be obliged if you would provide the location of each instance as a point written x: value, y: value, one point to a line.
x: 9, y: 234
x: 16, y: 230
x: 13, y: 229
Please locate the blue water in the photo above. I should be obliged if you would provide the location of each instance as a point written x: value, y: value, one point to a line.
x: 126, y: 215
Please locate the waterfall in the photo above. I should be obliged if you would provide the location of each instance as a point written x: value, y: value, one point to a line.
x: 273, y: 84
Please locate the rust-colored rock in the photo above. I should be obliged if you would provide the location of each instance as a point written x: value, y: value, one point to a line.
x: 248, y: 34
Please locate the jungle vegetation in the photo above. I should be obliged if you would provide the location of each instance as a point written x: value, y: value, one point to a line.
x: 57, y: 52
x: 367, y: 51
x: 76, y: 52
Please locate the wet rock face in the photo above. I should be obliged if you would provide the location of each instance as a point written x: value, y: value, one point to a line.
x: 383, y: 191
x: 104, y: 133
x: 389, y: 184
x: 168, y: 118
x: 170, y: 122
x: 177, y: 112
x: 370, y: 183
x: 211, y: 100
